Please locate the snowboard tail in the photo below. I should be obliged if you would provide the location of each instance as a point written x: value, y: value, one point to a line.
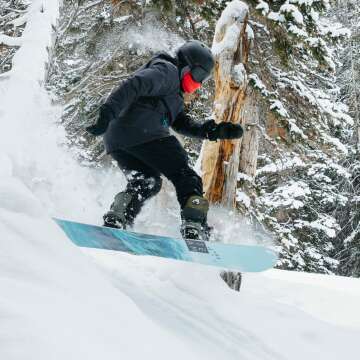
x: 247, y: 258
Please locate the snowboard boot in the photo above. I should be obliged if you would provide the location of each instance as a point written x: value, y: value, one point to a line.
x: 193, y: 216
x: 118, y: 217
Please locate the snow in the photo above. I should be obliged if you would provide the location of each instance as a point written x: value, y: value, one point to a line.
x: 246, y: 177
x: 337, y: 111
x: 327, y: 224
x: 333, y: 29
x: 10, y: 40
x: 258, y: 84
x: 121, y: 19
x: 276, y: 105
x: 281, y: 165
x: 152, y: 37
x: 235, y: 10
x: 199, y: 309
x: 263, y: 6
x: 295, y: 129
x: 293, y: 10
x: 335, y: 142
x: 297, y: 31
x: 233, y: 15
x: 314, y: 15
x: 250, y: 32
x: 21, y: 20
x: 228, y: 42
x: 239, y: 75
x: 303, y: 2
x: 279, y: 108
x: 289, y: 195
x: 62, y: 302
x: 275, y: 16
x: 243, y: 198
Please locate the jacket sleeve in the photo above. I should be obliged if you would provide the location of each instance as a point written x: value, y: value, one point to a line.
x: 185, y: 125
x: 153, y: 81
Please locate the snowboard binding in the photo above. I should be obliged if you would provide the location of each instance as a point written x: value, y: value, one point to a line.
x: 195, y: 231
x: 113, y: 221
x: 193, y: 216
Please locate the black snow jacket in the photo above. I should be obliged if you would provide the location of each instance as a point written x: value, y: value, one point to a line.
x: 145, y: 105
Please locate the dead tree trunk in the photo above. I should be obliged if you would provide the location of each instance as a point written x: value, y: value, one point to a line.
x: 250, y: 115
x: 221, y: 160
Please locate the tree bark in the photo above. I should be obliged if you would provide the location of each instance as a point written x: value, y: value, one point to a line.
x: 221, y: 160
x: 250, y: 141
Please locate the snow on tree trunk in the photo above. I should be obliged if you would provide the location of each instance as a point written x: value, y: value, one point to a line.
x: 220, y: 161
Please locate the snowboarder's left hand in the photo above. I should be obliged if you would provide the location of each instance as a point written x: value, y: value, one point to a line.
x: 102, y: 122
x: 225, y: 130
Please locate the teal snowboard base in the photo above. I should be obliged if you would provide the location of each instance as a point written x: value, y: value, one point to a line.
x: 246, y: 258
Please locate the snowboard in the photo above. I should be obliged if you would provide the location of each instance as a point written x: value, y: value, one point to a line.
x: 244, y: 258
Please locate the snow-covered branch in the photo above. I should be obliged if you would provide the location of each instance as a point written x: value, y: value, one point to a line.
x: 10, y: 41
x: 20, y: 21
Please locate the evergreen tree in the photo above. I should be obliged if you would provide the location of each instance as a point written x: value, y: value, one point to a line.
x: 348, y: 239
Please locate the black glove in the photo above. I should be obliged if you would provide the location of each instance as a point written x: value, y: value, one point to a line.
x: 102, y: 123
x: 225, y: 130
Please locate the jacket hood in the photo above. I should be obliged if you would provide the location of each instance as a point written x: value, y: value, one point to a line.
x: 165, y: 56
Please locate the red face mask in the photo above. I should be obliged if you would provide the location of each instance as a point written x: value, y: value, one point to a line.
x: 188, y: 84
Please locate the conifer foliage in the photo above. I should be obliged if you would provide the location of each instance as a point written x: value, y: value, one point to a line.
x: 348, y: 78
x: 13, y: 18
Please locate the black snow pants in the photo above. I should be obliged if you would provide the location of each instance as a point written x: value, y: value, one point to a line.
x: 144, y: 164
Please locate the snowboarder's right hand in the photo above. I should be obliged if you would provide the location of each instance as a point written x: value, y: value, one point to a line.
x: 102, y: 123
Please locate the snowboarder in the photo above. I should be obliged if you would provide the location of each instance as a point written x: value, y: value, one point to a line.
x: 135, y: 121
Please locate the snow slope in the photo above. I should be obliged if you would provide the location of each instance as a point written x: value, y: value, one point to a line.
x: 60, y: 302
x: 277, y: 314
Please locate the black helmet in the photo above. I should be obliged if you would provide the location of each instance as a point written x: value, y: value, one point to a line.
x: 198, y: 57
